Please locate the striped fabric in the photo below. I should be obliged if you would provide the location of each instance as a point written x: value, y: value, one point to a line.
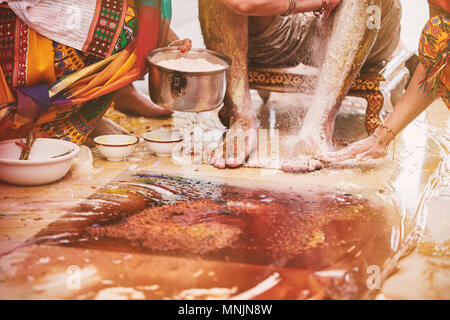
x: 66, y: 22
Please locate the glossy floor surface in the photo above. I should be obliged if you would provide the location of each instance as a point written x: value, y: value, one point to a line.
x: 177, y: 228
x: 166, y: 228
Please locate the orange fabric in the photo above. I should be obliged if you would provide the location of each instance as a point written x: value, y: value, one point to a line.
x: 40, y: 65
x: 40, y: 69
x: 106, y: 81
x: 5, y: 92
x: 102, y: 77
x: 434, y: 56
x: 40, y: 60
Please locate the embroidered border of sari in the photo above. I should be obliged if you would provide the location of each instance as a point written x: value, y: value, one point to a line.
x: 97, y: 23
x: 25, y: 54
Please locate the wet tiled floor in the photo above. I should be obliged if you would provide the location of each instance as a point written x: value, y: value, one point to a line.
x: 74, y: 238
x: 195, y: 231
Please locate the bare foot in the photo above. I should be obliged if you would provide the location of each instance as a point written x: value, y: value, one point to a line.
x: 104, y: 126
x: 301, y: 163
x: 240, y: 141
x: 130, y: 100
x: 107, y: 126
x: 301, y: 159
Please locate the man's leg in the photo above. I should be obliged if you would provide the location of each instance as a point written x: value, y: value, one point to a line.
x: 348, y: 47
x: 227, y: 33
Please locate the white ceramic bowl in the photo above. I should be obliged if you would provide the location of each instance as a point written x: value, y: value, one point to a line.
x: 116, y: 147
x: 43, y: 166
x: 163, y: 142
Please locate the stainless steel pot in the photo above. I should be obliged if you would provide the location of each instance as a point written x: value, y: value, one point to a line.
x: 187, y: 91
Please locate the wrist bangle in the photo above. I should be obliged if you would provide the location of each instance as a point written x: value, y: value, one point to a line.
x: 388, y: 129
x: 292, y: 8
x: 318, y: 13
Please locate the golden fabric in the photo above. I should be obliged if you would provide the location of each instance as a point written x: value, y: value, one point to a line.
x: 40, y: 61
x: 5, y: 94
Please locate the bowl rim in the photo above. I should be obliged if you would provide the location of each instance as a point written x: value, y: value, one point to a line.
x: 136, y: 141
x: 71, y: 154
x: 163, y: 141
x: 154, y: 52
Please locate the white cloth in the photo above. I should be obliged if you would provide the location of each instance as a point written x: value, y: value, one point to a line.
x: 66, y: 22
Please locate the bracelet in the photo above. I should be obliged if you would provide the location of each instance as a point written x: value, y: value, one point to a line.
x: 173, y: 42
x: 292, y: 8
x: 388, y: 129
x: 318, y: 13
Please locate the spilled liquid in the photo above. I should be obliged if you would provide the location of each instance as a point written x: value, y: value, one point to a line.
x: 316, y: 244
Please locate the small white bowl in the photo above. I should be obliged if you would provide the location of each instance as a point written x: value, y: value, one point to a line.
x: 163, y: 142
x: 116, y: 147
x: 45, y: 165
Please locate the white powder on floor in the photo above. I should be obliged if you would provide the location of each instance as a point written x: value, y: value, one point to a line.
x: 190, y: 65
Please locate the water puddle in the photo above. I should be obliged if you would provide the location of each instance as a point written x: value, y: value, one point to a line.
x: 330, y: 240
x: 239, y: 234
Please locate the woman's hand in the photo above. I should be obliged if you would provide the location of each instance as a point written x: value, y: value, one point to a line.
x: 186, y: 45
x: 369, y: 148
x: 172, y: 39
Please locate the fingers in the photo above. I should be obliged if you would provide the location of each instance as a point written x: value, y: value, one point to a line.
x: 364, y: 156
x: 358, y: 151
x: 350, y: 152
x: 217, y: 158
x: 236, y: 162
x: 373, y: 153
x: 338, y: 156
x: 315, y: 165
x: 240, y: 144
x: 301, y: 163
x: 186, y: 45
x: 219, y: 163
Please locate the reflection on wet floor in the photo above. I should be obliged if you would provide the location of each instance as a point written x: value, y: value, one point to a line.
x: 172, y: 230
x: 305, y: 231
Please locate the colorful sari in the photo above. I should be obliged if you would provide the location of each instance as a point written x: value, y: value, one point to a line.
x: 59, y: 91
x: 434, y: 51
